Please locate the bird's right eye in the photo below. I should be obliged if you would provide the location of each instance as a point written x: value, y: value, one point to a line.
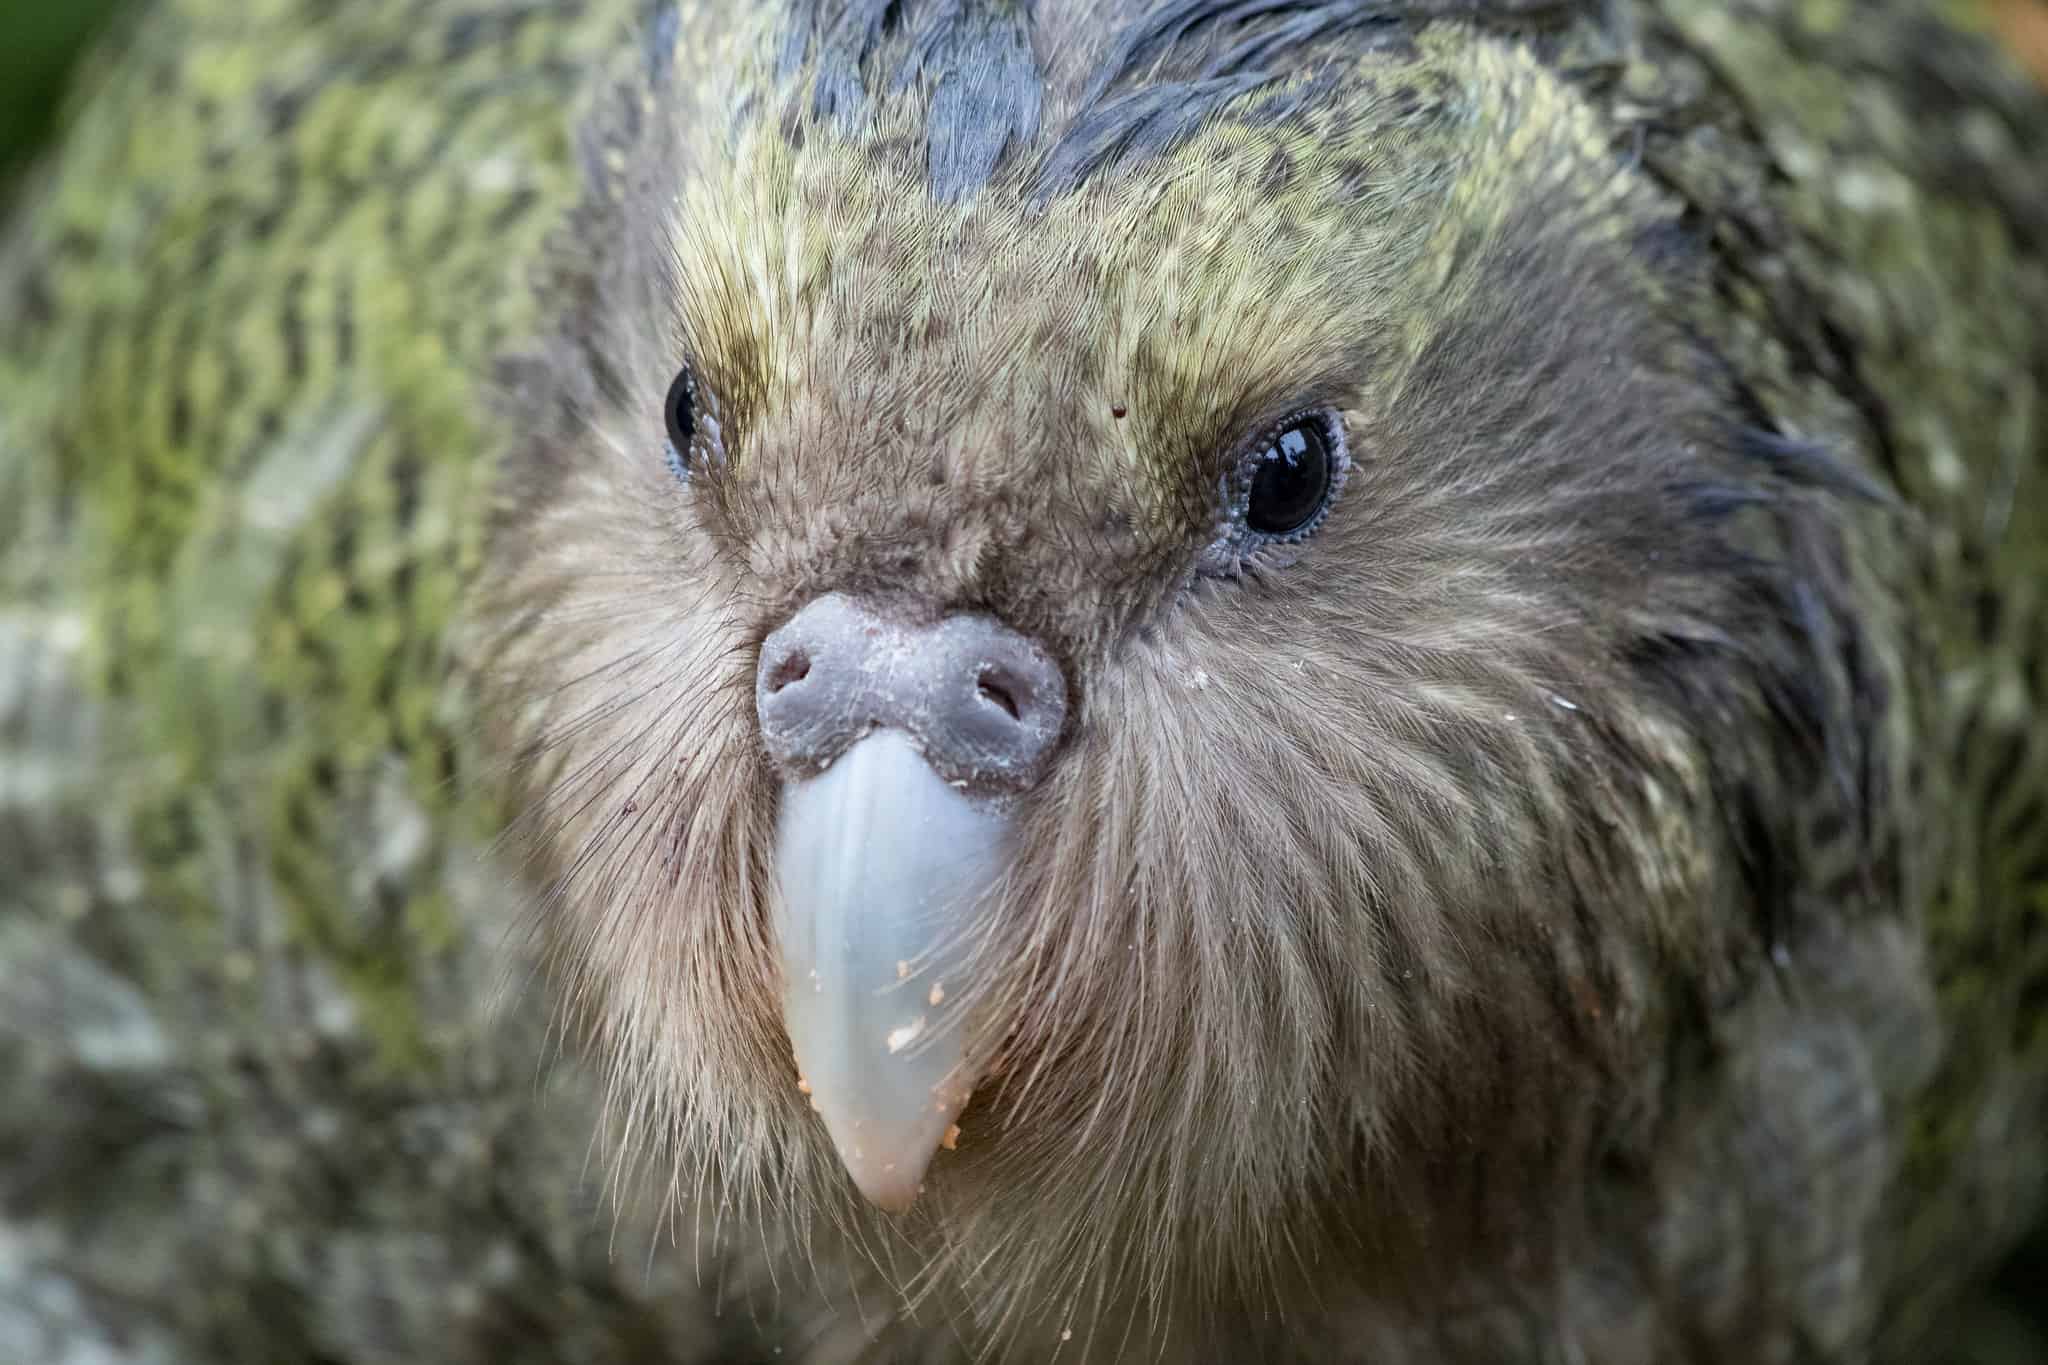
x: 679, y: 411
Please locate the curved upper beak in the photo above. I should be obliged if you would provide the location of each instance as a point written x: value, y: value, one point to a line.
x: 899, y: 743
x: 882, y: 865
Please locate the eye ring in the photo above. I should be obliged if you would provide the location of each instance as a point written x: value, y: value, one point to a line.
x: 1286, y: 484
x: 679, y: 415
x: 1279, y: 492
x: 1290, y: 482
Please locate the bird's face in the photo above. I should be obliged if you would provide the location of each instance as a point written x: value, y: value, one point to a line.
x: 1113, y: 717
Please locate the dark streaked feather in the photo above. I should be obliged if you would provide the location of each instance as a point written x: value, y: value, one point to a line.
x: 1154, y: 74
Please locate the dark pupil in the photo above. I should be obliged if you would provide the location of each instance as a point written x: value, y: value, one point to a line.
x: 680, y: 409
x: 1291, y: 482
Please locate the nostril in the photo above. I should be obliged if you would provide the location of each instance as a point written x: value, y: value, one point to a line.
x: 998, y: 690
x: 985, y: 704
x: 794, y: 668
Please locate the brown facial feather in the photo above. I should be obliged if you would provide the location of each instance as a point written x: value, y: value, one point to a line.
x: 1374, y: 881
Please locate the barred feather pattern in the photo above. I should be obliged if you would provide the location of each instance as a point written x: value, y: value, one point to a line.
x: 1587, y: 899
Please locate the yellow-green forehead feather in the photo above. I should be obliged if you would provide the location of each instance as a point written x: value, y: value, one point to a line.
x: 1242, y: 271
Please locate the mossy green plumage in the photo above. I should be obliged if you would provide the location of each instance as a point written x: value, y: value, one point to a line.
x: 246, y: 312
x: 1883, y: 239
x: 292, y: 268
x: 258, y: 1104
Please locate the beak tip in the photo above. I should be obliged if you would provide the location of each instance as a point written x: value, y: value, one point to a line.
x: 888, y: 1160
x: 881, y: 867
x: 891, y: 1194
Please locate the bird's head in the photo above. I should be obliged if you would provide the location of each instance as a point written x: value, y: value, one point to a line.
x: 1134, y: 652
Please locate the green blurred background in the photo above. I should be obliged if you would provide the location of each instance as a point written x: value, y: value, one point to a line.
x: 39, y: 41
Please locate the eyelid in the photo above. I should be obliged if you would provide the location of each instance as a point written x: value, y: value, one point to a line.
x: 1239, y: 544
x: 706, y: 443
x: 679, y: 419
x: 1240, y: 481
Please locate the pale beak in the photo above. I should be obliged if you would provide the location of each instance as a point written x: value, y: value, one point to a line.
x: 883, y: 867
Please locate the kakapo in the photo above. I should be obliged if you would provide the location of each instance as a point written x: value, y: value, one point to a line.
x: 1139, y: 679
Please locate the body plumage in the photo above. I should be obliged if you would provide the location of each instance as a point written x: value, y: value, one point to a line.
x: 1578, y: 893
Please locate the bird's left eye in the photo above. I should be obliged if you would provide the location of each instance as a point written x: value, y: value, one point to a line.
x: 1280, y: 492
x: 1285, y: 488
x: 1290, y: 482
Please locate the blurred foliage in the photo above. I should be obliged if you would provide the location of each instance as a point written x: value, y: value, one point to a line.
x: 39, y: 42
